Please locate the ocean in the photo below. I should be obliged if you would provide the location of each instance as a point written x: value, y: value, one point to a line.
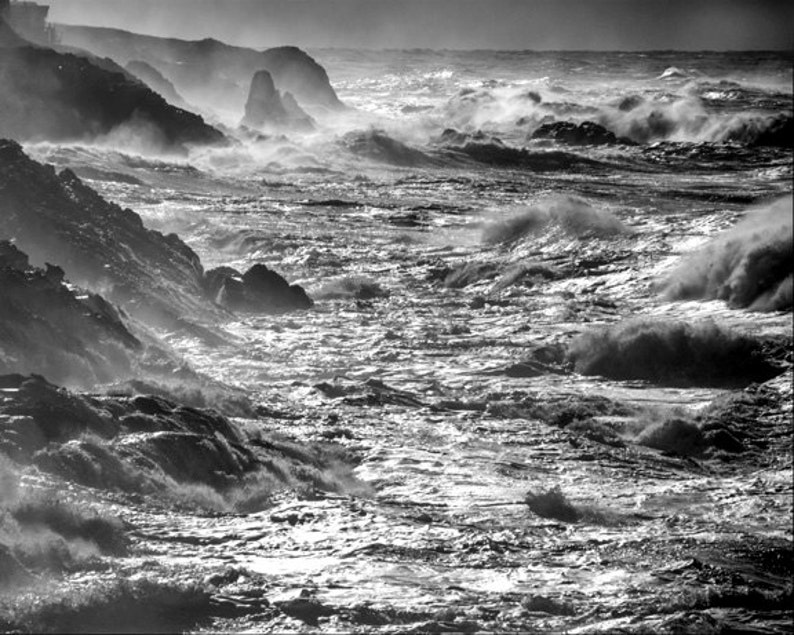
x: 518, y: 342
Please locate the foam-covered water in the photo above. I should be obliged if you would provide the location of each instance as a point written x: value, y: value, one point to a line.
x: 447, y: 270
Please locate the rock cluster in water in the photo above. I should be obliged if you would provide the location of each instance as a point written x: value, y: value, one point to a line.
x: 586, y: 133
x: 259, y: 289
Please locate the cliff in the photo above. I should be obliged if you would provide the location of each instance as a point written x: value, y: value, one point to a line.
x: 155, y: 80
x: 60, y: 96
x: 209, y: 73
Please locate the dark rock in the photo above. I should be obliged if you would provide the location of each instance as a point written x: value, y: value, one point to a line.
x: 259, y: 289
x: 61, y: 96
x: 586, y: 133
x: 266, y: 107
x: 208, y: 72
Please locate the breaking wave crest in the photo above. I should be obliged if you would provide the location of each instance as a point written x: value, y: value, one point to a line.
x: 748, y: 266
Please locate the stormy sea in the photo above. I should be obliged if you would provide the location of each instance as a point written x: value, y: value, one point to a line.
x: 393, y: 341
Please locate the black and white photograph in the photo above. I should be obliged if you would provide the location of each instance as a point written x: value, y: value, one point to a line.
x: 396, y: 316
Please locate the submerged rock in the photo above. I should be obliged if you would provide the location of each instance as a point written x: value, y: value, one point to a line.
x: 586, y: 133
x: 259, y: 289
x: 49, y: 95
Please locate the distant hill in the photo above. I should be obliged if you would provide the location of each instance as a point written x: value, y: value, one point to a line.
x: 209, y: 73
x: 59, y: 96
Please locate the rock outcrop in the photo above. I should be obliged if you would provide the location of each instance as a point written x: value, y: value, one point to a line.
x: 49, y: 95
x: 209, y: 73
x: 151, y: 445
x: 586, y: 133
x: 268, y: 108
x: 47, y: 327
x: 259, y: 290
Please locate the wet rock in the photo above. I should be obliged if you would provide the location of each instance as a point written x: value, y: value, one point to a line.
x: 73, y: 98
x: 586, y: 133
x: 258, y: 290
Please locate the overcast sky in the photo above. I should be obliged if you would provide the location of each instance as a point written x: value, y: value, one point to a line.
x: 466, y: 24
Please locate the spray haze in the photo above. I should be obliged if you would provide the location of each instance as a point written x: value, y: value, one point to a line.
x: 469, y: 24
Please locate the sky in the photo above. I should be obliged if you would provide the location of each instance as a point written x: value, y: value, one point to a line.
x: 454, y: 24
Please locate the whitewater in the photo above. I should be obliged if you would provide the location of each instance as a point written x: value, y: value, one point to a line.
x: 532, y: 353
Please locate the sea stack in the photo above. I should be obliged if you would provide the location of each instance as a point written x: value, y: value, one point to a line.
x: 267, y: 108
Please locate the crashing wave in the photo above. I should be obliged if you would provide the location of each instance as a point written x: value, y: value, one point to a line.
x: 672, y: 353
x: 573, y: 215
x: 748, y: 266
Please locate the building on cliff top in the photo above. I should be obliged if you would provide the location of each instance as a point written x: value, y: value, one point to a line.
x: 29, y: 20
